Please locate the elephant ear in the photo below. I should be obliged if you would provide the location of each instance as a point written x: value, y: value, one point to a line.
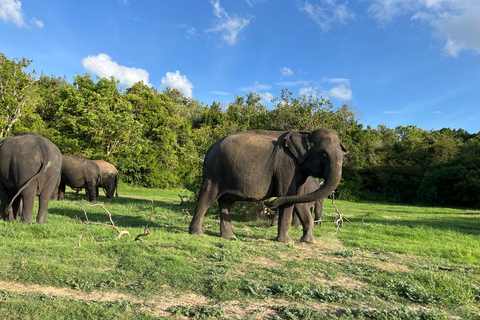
x: 298, y: 144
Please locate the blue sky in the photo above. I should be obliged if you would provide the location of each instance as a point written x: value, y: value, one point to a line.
x: 398, y: 62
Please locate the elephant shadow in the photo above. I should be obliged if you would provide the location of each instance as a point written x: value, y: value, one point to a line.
x: 464, y: 225
x: 140, y: 220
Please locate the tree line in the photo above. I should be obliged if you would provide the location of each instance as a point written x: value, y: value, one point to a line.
x: 159, y: 138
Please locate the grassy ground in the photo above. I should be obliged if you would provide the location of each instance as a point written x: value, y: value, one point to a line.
x: 392, y: 262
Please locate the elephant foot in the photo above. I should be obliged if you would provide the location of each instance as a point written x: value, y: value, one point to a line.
x: 308, y: 239
x: 195, y: 231
x: 228, y: 235
x: 284, y: 239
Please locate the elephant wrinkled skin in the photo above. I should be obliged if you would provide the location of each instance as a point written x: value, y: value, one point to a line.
x: 79, y: 172
x: 258, y: 165
x: 29, y: 166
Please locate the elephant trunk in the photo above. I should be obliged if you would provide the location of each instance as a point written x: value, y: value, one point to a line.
x: 332, y: 180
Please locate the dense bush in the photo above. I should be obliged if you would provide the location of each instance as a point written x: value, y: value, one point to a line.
x: 158, y: 139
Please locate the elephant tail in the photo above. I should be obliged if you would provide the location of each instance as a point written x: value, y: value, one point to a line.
x: 42, y: 170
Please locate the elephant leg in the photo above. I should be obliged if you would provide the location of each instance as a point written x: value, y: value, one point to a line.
x: 5, y: 198
x: 17, y: 208
x: 97, y: 193
x: 28, y: 195
x: 61, y: 191
x: 44, y: 199
x: 305, y: 216
x: 295, y: 219
x: 90, y: 190
x: 318, y: 209
x: 207, y: 196
x: 274, y: 219
x: 284, y: 222
x: 226, y: 230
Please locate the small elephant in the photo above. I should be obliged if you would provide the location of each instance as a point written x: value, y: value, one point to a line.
x: 30, y: 166
x: 258, y: 165
x: 109, y: 178
x: 310, y: 186
x: 79, y: 172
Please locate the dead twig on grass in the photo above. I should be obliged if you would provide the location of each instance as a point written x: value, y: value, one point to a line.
x: 145, y: 229
x: 182, y: 202
x: 339, y: 219
x: 146, y: 232
x: 112, y: 225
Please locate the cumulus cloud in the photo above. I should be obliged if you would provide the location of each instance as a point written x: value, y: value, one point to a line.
x: 179, y: 82
x: 286, y: 72
x: 228, y: 27
x: 341, y: 92
x: 11, y: 12
x: 327, y: 12
x: 455, y: 21
x: 103, y: 66
x: 309, y: 91
x: 267, y: 97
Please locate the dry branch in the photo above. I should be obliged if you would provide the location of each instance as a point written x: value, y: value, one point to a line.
x: 339, y: 219
x: 183, y: 202
x: 145, y: 230
x: 112, y: 225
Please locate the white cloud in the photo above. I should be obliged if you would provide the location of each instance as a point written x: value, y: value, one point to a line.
x: 286, y: 72
x: 327, y: 12
x: 309, y: 91
x: 256, y: 87
x: 229, y: 27
x: 267, y: 97
x: 462, y: 31
x: 341, y: 92
x: 179, y: 82
x: 297, y: 83
x: 11, y: 11
x: 337, y: 80
x: 37, y: 23
x: 455, y: 21
x: 103, y: 66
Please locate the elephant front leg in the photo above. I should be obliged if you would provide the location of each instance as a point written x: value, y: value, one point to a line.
x: 305, y: 216
x: 226, y: 230
x: 284, y: 222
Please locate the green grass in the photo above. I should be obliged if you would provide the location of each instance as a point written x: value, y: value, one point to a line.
x: 400, y: 262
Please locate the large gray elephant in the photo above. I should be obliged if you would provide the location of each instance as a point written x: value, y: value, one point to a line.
x: 78, y: 172
x: 29, y: 166
x: 109, y: 178
x: 258, y: 165
x: 310, y: 186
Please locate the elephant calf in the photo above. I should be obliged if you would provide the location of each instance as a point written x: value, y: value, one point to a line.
x: 109, y: 175
x: 310, y: 186
x: 79, y: 172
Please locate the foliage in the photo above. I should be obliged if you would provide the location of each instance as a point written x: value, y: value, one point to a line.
x: 159, y: 139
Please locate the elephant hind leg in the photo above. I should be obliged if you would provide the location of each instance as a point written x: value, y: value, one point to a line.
x: 303, y: 212
x: 28, y: 194
x: 207, y: 196
x: 226, y: 230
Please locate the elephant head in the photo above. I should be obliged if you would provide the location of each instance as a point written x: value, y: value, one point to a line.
x: 320, y: 154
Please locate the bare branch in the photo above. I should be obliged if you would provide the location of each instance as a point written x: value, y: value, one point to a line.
x: 145, y: 230
x: 339, y: 219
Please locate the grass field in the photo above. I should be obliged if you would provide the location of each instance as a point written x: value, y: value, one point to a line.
x: 391, y: 262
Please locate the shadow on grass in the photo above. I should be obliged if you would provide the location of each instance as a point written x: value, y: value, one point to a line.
x: 465, y: 225
x: 123, y: 219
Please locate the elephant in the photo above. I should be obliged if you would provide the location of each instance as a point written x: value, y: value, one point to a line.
x: 79, y: 172
x: 310, y: 186
x: 258, y: 165
x: 30, y: 166
x: 109, y: 178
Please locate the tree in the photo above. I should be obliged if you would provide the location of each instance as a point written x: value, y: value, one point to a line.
x: 16, y: 90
